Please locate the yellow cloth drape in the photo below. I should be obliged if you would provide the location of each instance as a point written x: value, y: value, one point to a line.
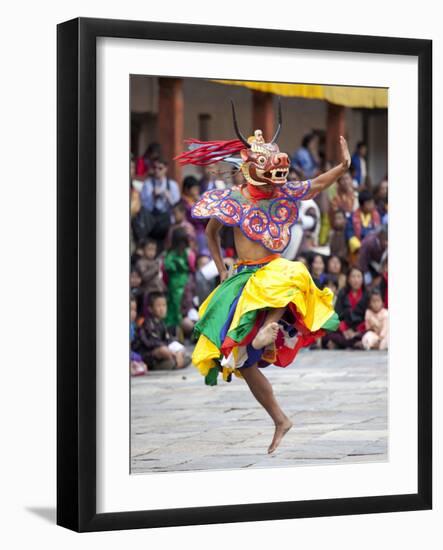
x: 348, y: 96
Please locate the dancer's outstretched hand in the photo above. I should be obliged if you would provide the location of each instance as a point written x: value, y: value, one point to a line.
x: 345, y: 155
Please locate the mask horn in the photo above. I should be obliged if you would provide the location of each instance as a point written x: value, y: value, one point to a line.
x: 241, y: 137
x: 279, y: 117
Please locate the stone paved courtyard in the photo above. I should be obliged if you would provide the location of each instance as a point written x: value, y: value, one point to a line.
x: 336, y: 399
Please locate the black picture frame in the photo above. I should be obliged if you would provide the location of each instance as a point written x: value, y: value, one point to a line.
x: 76, y: 274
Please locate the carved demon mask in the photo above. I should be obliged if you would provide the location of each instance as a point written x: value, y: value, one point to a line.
x: 263, y: 163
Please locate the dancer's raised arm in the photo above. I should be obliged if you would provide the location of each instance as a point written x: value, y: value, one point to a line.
x: 323, y: 181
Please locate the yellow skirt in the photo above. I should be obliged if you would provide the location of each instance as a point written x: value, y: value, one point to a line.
x: 232, y: 314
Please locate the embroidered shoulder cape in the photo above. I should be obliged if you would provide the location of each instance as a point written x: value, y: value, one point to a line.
x: 264, y: 220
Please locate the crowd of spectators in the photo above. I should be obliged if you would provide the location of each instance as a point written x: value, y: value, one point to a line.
x: 341, y: 236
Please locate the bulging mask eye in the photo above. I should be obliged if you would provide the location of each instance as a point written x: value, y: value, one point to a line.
x: 261, y: 160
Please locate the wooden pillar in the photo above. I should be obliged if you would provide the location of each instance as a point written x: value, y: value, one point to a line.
x: 335, y: 127
x: 263, y: 116
x: 171, y: 122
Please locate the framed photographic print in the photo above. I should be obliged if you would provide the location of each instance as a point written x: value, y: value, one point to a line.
x: 230, y: 344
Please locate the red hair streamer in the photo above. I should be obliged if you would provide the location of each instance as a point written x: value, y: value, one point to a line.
x: 209, y: 152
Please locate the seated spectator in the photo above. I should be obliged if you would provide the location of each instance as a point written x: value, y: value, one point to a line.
x: 180, y: 220
x: 381, y: 200
x: 149, y: 268
x: 344, y: 198
x: 362, y: 222
x: 371, y: 253
x: 351, y: 304
x: 317, y: 269
x: 158, y: 195
x: 331, y: 282
x: 384, y: 280
x: 132, y: 325
x: 376, y: 323
x: 179, y: 263
x: 337, y: 235
x: 154, y: 343
x: 334, y: 266
x: 137, y: 365
x: 135, y: 284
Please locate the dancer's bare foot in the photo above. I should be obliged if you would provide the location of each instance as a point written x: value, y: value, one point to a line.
x: 266, y: 335
x: 280, y: 430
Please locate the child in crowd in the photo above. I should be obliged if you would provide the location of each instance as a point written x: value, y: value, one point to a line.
x: 337, y: 235
x: 376, y: 321
x: 149, y: 268
x: 180, y: 220
x: 179, y: 263
x: 154, y: 343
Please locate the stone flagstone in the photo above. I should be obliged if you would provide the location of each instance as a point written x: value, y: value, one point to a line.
x: 337, y: 401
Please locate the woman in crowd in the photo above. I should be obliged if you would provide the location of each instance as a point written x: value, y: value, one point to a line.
x: 351, y: 305
x: 334, y: 266
x: 317, y: 269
